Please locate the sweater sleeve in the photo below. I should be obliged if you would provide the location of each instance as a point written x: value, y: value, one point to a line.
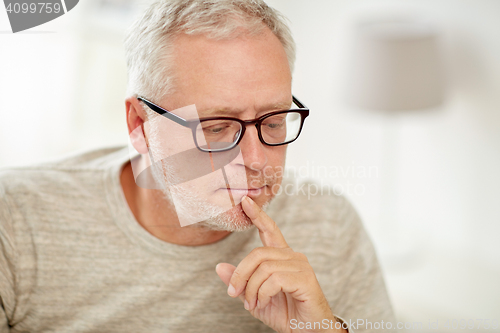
x: 7, y: 259
x: 364, y: 304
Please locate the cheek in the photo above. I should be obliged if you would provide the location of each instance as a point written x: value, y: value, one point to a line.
x: 276, y: 160
x: 166, y: 138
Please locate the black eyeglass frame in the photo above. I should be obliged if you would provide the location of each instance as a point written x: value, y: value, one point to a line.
x: 192, y: 124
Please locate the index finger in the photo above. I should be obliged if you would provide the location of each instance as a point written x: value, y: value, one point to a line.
x: 269, y: 232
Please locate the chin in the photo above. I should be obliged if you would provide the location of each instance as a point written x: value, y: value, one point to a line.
x: 233, y: 220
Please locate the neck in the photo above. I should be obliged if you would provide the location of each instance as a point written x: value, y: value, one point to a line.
x: 156, y: 214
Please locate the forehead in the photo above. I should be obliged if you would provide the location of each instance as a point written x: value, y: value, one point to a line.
x: 249, y: 72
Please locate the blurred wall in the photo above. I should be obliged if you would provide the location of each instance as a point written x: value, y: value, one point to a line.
x: 62, y: 84
x: 426, y: 183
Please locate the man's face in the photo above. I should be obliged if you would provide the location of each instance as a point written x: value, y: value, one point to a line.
x: 243, y: 78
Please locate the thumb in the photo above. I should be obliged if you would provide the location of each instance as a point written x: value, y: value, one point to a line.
x: 225, y: 271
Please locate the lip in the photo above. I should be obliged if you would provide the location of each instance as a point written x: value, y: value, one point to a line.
x: 240, y: 192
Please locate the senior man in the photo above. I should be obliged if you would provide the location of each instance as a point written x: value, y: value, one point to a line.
x: 86, y: 248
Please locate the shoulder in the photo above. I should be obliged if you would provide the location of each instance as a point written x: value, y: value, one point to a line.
x: 96, y: 159
x: 61, y: 175
x: 45, y: 192
x: 310, y: 205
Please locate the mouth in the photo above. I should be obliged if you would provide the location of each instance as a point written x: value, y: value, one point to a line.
x: 240, y: 192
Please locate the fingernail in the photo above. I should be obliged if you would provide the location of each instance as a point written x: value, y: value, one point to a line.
x: 248, y: 203
x: 258, y: 304
x: 231, y: 291
x: 246, y: 305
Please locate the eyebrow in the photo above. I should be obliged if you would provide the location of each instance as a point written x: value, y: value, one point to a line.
x: 223, y: 111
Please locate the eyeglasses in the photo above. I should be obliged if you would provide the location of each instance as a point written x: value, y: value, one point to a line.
x: 218, y: 134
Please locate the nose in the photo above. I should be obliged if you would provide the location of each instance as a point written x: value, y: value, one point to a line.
x: 252, y: 150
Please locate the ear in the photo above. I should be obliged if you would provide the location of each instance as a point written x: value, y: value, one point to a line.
x: 135, y: 120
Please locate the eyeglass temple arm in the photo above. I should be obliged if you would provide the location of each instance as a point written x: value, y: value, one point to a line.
x: 184, y: 122
x: 298, y: 103
x: 164, y: 112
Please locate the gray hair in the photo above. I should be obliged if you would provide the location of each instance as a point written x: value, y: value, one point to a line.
x: 148, y: 44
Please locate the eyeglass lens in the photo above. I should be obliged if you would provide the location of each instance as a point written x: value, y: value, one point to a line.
x: 222, y: 134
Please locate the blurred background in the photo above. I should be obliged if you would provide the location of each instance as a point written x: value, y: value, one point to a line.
x: 424, y: 178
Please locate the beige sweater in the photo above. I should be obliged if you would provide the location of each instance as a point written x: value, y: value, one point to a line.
x: 74, y: 259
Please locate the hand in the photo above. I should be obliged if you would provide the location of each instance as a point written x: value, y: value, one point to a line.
x: 275, y: 283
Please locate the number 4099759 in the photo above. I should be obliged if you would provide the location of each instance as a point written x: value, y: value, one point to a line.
x: 40, y: 7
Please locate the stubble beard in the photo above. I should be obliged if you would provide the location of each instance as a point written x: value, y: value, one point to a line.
x: 190, y: 205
